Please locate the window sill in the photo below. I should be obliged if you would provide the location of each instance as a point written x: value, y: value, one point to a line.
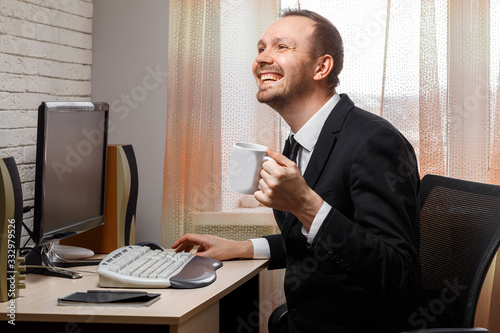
x: 259, y: 216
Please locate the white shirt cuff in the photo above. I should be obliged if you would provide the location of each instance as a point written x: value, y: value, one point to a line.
x: 261, y: 249
x: 317, y: 222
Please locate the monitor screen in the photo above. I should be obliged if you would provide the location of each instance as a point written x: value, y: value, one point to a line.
x: 70, y: 169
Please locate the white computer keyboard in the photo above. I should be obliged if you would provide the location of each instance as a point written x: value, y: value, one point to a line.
x: 134, y: 266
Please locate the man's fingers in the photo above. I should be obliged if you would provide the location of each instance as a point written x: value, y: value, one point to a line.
x: 279, y: 158
x: 187, y: 240
x: 183, y: 247
x: 261, y: 195
x: 275, y: 156
x: 184, y: 238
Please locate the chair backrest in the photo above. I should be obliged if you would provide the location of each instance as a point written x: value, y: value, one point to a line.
x: 460, y: 234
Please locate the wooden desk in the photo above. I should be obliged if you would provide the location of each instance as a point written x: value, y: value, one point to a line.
x: 183, y: 310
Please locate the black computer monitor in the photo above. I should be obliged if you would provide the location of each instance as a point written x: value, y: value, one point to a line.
x: 70, y: 173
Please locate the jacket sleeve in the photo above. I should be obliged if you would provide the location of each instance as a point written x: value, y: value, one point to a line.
x: 278, y: 255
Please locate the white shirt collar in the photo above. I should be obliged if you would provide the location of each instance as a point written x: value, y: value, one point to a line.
x: 308, y: 135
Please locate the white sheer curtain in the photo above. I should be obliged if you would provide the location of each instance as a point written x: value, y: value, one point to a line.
x: 212, y: 104
x: 431, y: 67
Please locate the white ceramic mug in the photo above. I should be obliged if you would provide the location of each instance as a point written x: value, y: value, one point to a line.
x: 245, y: 167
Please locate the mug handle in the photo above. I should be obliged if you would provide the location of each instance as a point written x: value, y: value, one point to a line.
x: 267, y: 158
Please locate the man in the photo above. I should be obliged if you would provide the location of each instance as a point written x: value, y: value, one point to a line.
x: 348, y: 208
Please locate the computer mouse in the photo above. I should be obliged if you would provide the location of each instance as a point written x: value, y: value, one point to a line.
x: 151, y: 245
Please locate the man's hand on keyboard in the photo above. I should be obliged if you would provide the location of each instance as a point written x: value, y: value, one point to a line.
x: 214, y: 247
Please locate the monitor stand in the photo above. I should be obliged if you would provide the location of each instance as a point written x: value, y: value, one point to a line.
x: 71, y: 254
x: 53, y: 263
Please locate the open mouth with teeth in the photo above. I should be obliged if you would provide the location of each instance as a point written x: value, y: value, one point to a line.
x: 270, y: 78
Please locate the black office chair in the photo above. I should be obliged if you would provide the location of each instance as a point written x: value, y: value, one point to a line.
x: 460, y: 235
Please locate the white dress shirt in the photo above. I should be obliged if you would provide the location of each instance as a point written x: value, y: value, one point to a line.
x: 307, y: 137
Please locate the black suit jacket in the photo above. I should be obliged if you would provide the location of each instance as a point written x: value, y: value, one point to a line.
x: 361, y: 274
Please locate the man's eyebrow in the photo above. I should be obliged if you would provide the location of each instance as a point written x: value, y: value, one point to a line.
x: 284, y: 40
x: 277, y: 40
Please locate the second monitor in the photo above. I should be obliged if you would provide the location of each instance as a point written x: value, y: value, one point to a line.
x: 122, y: 186
x: 70, y: 172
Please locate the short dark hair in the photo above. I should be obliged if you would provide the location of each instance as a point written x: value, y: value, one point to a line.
x: 325, y: 39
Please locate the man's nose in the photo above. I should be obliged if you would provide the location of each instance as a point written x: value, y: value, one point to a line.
x: 263, y: 58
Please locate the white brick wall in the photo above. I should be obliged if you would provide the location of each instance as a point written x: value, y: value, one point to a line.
x: 45, y: 55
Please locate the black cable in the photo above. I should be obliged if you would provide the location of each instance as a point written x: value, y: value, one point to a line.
x: 30, y: 233
x: 27, y: 209
x: 30, y: 237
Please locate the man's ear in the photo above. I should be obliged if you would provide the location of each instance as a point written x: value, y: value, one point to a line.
x: 324, y: 67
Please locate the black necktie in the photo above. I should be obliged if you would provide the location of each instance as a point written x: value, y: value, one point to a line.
x: 294, y: 150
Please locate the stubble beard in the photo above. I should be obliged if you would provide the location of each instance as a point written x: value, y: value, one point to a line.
x: 279, y: 99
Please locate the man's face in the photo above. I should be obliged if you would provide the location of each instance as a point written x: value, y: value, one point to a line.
x: 283, y: 68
